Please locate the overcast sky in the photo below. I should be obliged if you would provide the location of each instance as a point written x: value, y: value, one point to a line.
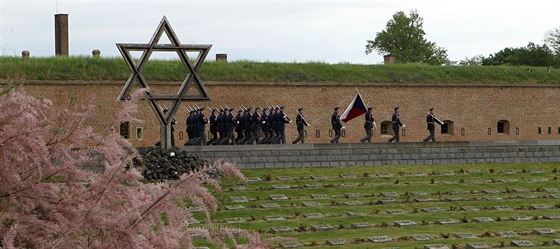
x: 279, y: 31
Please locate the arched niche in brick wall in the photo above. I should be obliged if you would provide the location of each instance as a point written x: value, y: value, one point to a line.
x: 447, y: 128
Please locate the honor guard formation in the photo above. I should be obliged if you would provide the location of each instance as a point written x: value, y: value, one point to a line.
x: 235, y: 126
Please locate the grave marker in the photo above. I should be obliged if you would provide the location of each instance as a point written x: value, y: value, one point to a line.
x: 384, y: 175
x: 396, y: 211
x: 355, y: 214
x: 319, y: 177
x: 269, y: 205
x: 280, y: 187
x: 336, y: 242
x: 538, y: 206
x: 238, y: 188
x: 483, y: 219
x: 507, y: 234
x: 274, y: 218
x: 234, y: 220
x: 544, y: 231
x: 291, y: 244
x: 477, y: 245
x: 278, y: 197
x: 501, y: 208
x: 353, y: 203
x: 466, y: 235
x: 447, y: 222
x: 313, y: 215
x: 421, y: 237
x: 405, y: 223
x: 522, y: 243
x: 284, y: 178
x: 352, y: 195
x: 436, y: 246
x: 520, y: 218
x: 361, y: 225
x: 347, y: 176
x: 431, y: 209
x: 283, y: 229
x: 469, y: 208
x: 238, y: 199
x: 379, y: 239
x: 234, y: 207
x: 311, y: 204
x: 321, y: 228
x: 254, y: 179
x: 389, y: 194
x: 320, y: 196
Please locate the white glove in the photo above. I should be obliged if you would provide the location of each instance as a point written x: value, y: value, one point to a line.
x: 238, y: 122
x: 403, y: 126
x: 290, y: 121
x: 442, y: 123
x: 264, y: 122
x: 343, y: 128
x: 374, y: 124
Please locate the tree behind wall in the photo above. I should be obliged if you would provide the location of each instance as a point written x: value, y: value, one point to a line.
x: 404, y: 39
x: 47, y: 200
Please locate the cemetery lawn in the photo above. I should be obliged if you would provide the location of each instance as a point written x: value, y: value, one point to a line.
x: 399, y: 206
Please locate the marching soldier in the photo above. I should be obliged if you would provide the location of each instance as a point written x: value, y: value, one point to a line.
x: 396, y: 125
x: 240, y: 124
x: 270, y: 120
x: 431, y: 120
x: 221, y: 126
x: 264, y: 125
x: 336, y: 125
x: 368, y: 126
x: 255, y: 127
x: 282, y: 120
x: 213, y: 127
x: 248, y: 124
x: 201, y: 126
x: 300, y: 122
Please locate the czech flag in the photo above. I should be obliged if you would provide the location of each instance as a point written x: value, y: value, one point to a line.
x: 355, y: 109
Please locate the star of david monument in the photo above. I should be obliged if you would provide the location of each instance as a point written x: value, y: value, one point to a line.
x: 192, y: 79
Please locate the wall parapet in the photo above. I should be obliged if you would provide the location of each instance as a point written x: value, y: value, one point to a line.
x: 336, y: 155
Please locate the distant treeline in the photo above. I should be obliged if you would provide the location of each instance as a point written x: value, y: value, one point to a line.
x: 115, y: 69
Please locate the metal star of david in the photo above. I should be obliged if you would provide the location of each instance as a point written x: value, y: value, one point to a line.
x: 191, y: 77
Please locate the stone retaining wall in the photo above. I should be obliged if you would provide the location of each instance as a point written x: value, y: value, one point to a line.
x: 333, y: 155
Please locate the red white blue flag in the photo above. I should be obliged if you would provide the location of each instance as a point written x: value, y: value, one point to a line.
x: 355, y: 109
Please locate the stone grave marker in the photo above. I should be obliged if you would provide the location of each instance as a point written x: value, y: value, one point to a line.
x: 238, y: 199
x: 284, y: 178
x: 356, y: 214
x: 336, y: 242
x: 540, y: 179
x: 353, y: 203
x: 447, y: 222
x: 386, y: 200
x: 319, y: 177
x: 352, y: 195
x: 431, y: 209
x: 311, y: 204
x: 201, y: 247
x: 447, y: 173
x: 320, y: 196
x: 474, y: 171
x: 466, y: 235
x: 544, y: 231
x: 254, y: 179
x: 522, y: 243
x: 269, y: 205
x: 436, y: 246
x: 492, y: 198
x: 195, y: 209
x: 313, y: 215
x: 538, y: 206
x: 379, y: 239
x: 455, y: 198
x: 552, y: 216
x: 360, y: 225
x: 193, y: 221
x: 281, y: 229
x: 421, y: 237
x: 477, y: 245
x: 389, y: 194
x: 396, y: 211
x: 313, y: 185
x: 419, y: 174
x: 418, y: 193
x: 520, y: 218
x: 554, y: 196
x: 507, y: 234
x: 425, y: 199
x: 234, y: 220
x: 347, y: 176
x: 550, y: 190
x: 508, y: 172
x: 384, y: 175
x: 274, y: 218
x: 454, y: 192
x: 501, y: 208
x: 234, y: 207
x: 556, y: 241
x: 469, y: 208
x: 483, y: 219
x: 491, y: 191
x: 238, y: 188
x: 475, y: 181
x: 405, y: 223
x: 321, y: 228
x: 535, y: 171
x: 278, y: 197
x: 280, y: 187
x: 519, y: 190
x: 291, y: 244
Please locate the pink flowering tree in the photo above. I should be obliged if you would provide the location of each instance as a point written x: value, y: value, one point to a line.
x: 47, y: 199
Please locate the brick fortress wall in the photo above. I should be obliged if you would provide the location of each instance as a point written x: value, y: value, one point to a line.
x: 473, y: 109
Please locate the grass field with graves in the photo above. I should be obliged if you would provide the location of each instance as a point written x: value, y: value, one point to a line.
x: 445, y: 206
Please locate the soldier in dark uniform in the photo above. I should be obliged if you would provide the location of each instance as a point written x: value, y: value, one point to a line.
x: 368, y: 126
x: 274, y: 125
x: 396, y: 124
x: 201, y: 126
x: 248, y: 124
x: 230, y: 125
x: 270, y: 126
x: 300, y: 123
x: 336, y: 125
x: 255, y: 127
x: 221, y: 126
x: 213, y: 127
x: 282, y: 120
x: 264, y: 125
x: 431, y: 120
x: 240, y: 123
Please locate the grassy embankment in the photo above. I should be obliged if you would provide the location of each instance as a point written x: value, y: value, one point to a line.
x: 86, y: 68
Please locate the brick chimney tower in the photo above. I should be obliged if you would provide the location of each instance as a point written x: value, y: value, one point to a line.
x: 61, y: 34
